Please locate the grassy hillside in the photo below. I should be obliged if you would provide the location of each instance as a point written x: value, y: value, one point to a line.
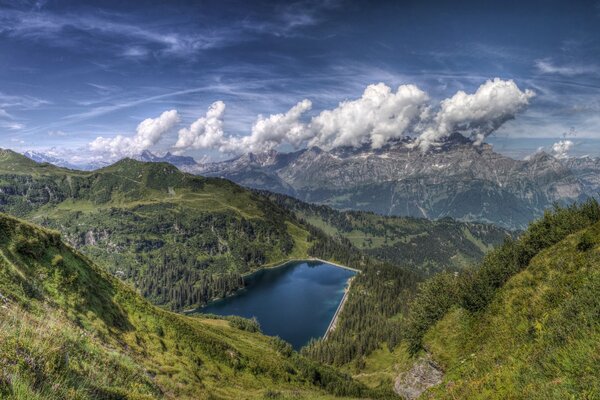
x: 181, y: 239
x: 524, y: 324
x: 70, y: 330
x: 538, y: 339
x: 450, y: 244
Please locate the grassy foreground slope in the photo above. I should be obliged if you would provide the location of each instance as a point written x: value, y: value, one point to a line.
x: 539, y: 337
x: 181, y: 239
x: 451, y: 244
x: 69, y: 330
x: 525, y: 324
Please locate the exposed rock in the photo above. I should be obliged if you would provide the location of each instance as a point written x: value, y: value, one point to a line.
x: 423, y: 375
x: 90, y: 238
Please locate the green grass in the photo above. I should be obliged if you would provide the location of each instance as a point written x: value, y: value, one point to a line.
x: 538, y: 339
x: 70, y: 330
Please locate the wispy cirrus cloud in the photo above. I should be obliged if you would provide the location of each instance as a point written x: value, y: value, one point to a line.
x: 72, y: 29
x: 128, y: 36
x: 546, y: 66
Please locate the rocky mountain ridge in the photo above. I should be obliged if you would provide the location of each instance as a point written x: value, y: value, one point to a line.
x: 457, y: 179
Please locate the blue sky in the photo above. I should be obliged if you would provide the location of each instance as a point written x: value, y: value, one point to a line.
x: 74, y: 71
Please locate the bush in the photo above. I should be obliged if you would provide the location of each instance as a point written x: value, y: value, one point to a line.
x: 58, y: 261
x: 586, y: 242
x: 283, y: 347
x: 245, y: 324
x: 31, y: 247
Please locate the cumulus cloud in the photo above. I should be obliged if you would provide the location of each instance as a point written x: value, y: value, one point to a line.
x: 205, y: 132
x: 476, y: 115
x: 269, y: 132
x: 375, y: 118
x: 561, y: 148
x: 378, y: 116
x: 148, y: 133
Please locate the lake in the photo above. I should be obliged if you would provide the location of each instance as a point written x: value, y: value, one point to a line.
x: 295, y: 301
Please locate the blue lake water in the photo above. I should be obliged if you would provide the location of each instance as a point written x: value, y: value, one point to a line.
x: 295, y: 302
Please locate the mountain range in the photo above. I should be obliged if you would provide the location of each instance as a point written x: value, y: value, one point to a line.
x: 519, y: 322
x: 458, y: 179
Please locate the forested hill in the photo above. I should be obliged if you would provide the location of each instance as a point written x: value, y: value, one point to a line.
x: 450, y: 244
x: 69, y: 330
x: 181, y: 239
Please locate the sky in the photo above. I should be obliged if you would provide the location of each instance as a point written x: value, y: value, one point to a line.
x: 212, y: 79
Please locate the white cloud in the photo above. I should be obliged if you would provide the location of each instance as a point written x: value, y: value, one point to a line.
x: 11, y: 125
x: 547, y: 67
x: 379, y: 115
x: 205, y: 132
x: 561, y: 148
x: 476, y: 115
x: 148, y: 133
x: 270, y: 132
x: 5, y: 114
x: 375, y: 118
x: 267, y: 132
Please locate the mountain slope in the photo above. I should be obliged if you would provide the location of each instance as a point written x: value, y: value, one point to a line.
x: 541, y: 332
x: 70, y: 330
x: 184, y: 239
x: 525, y: 324
x: 450, y: 244
x: 181, y: 239
x: 457, y: 179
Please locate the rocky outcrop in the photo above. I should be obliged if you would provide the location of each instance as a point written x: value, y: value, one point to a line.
x: 423, y: 375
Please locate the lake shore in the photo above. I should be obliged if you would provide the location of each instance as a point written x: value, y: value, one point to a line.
x: 292, y: 260
x: 333, y: 323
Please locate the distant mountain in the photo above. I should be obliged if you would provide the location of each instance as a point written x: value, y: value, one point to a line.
x: 47, y: 158
x: 178, y: 161
x: 587, y: 171
x: 457, y: 179
x: 42, y: 157
x: 181, y: 162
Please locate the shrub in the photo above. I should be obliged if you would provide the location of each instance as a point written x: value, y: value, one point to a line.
x: 245, y: 324
x: 586, y: 242
x: 31, y: 247
x: 58, y: 261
